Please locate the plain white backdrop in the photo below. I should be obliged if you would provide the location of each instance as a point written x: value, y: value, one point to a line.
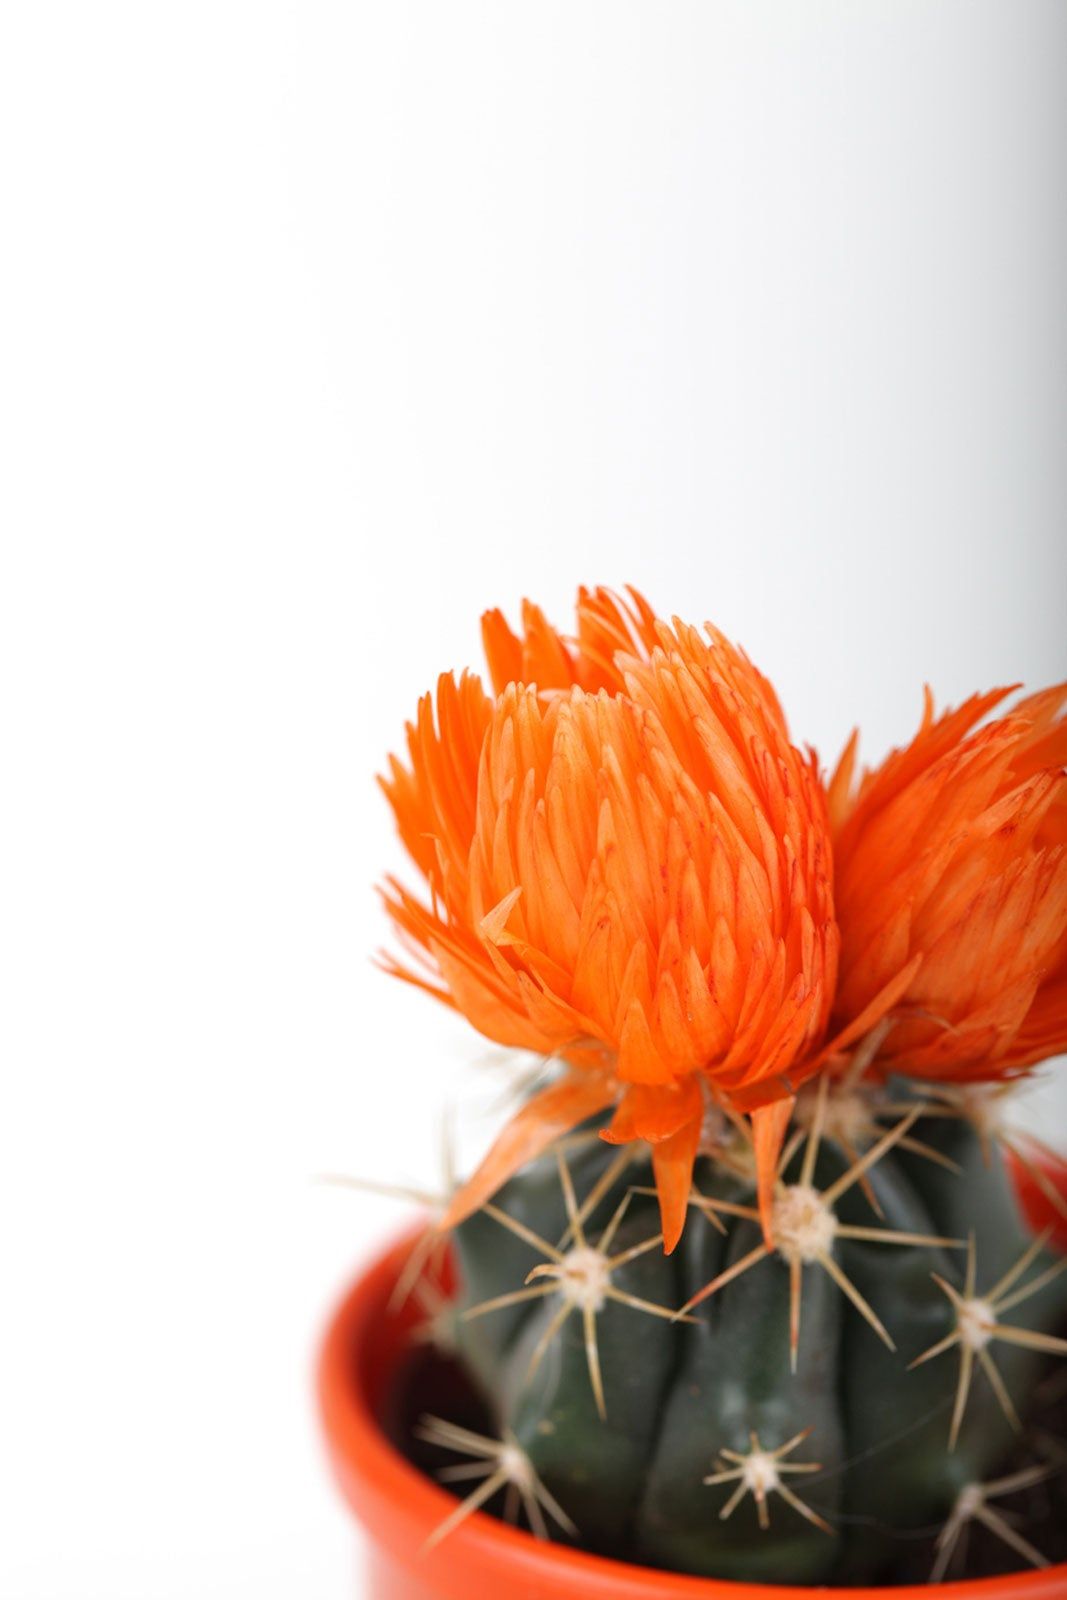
x: 322, y: 328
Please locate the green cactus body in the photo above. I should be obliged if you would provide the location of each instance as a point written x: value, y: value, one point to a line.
x: 678, y: 1393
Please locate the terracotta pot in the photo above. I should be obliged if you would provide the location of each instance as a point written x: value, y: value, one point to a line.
x: 484, y: 1559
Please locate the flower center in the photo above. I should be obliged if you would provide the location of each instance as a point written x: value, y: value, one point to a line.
x: 804, y: 1225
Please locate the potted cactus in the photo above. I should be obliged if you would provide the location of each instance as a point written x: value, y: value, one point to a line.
x: 742, y: 1294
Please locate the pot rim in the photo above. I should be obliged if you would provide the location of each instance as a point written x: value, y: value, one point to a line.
x: 400, y: 1507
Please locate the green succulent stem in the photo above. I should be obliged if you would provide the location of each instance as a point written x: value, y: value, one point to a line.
x: 798, y: 1414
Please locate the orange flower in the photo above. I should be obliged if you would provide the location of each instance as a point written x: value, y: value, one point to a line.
x: 629, y: 869
x: 607, y: 626
x: 955, y: 850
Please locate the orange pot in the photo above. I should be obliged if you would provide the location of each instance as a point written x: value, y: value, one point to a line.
x: 484, y: 1559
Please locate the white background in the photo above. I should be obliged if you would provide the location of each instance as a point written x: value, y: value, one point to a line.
x: 324, y: 327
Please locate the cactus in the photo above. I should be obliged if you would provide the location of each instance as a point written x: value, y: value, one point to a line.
x: 743, y: 1287
x: 669, y: 1441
